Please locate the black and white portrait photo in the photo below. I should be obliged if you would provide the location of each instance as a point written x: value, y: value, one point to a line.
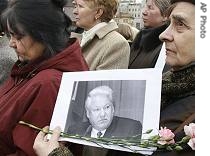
x: 107, y: 108
x: 120, y: 104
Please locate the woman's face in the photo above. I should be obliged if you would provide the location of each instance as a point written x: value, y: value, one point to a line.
x: 151, y: 15
x: 179, y: 37
x: 25, y: 47
x: 84, y: 15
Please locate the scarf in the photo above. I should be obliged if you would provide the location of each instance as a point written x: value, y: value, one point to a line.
x: 178, y: 84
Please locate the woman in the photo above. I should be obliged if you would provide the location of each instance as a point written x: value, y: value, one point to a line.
x: 102, y: 46
x: 41, y: 40
x: 146, y: 46
x: 178, y: 84
x: 7, y: 55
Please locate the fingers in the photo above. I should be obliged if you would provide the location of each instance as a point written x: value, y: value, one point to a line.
x: 56, y: 134
x: 45, y: 129
x: 41, y: 135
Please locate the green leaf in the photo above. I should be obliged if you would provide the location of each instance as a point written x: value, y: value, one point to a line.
x: 155, y: 137
x: 169, y: 148
x: 185, y: 139
x: 148, y: 131
x: 178, y: 148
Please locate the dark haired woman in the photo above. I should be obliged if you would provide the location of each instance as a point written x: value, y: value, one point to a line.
x: 38, y: 32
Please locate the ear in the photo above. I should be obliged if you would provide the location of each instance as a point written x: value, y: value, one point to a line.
x: 99, y: 13
x: 113, y: 109
x: 88, y: 114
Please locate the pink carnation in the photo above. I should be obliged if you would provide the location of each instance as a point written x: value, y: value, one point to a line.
x: 190, y: 131
x: 166, y: 136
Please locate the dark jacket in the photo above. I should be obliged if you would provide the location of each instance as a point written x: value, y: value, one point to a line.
x: 145, y: 48
x: 120, y: 127
x: 30, y: 95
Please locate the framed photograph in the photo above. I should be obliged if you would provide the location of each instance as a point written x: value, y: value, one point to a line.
x: 95, y: 107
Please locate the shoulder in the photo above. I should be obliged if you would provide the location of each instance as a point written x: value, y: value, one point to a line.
x: 48, y: 77
x: 53, y: 73
x: 114, y: 41
x: 79, y: 128
x: 115, y: 37
x: 109, y: 33
x: 126, y: 121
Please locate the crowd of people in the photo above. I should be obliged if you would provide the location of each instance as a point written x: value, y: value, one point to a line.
x: 42, y: 48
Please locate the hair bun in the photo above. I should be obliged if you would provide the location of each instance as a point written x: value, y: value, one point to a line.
x: 59, y: 3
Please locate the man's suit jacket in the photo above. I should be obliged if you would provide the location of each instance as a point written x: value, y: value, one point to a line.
x: 120, y: 127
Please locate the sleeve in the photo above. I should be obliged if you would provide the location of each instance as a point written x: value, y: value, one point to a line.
x: 61, y: 151
x: 116, y: 54
x: 176, y: 113
x: 41, y: 99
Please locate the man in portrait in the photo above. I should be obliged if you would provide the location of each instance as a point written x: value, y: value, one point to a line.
x: 102, y: 122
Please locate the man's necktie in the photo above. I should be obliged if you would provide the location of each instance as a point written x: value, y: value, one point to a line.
x: 99, y: 134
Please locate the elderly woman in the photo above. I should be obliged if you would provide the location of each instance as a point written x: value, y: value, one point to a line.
x: 146, y: 46
x: 41, y: 41
x: 178, y: 84
x: 102, y: 46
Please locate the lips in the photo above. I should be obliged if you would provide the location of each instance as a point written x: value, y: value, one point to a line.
x: 169, y: 51
x: 76, y: 18
x: 144, y: 19
x: 102, y: 120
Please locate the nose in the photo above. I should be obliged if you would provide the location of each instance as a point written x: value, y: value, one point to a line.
x: 75, y: 11
x: 12, y: 42
x: 102, y: 112
x: 144, y: 12
x: 166, y: 35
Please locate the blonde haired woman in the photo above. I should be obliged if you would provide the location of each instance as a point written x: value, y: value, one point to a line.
x: 102, y: 46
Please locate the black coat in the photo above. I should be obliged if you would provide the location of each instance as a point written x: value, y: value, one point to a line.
x: 146, y: 48
x: 120, y: 127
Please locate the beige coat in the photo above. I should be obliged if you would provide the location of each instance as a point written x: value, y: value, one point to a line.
x: 107, y: 49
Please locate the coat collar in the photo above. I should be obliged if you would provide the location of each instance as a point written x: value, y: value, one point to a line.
x: 150, y: 37
x: 111, y: 26
x: 102, y: 32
